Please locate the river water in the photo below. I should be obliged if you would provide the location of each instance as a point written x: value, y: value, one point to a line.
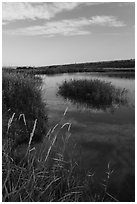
x: 104, y: 137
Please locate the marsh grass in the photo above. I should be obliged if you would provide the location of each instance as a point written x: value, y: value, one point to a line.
x: 21, y: 96
x: 93, y: 93
x: 48, y: 174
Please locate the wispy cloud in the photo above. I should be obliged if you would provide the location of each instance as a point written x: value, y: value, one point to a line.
x: 110, y: 21
x: 80, y: 26
x: 63, y: 27
x: 121, y: 4
x: 12, y: 11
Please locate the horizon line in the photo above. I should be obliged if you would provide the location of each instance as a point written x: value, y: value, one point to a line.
x: 66, y: 63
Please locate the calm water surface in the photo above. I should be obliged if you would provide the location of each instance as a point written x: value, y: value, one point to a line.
x: 103, y: 136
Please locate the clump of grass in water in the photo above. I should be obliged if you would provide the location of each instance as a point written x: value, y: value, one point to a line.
x: 21, y: 96
x: 47, y: 175
x: 94, y: 93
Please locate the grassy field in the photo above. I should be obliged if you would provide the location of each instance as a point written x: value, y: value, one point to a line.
x: 94, y: 93
x: 32, y: 171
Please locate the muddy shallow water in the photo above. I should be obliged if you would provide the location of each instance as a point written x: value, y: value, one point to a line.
x: 103, y: 136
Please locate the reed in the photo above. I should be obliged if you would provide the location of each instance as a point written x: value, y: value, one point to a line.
x: 93, y: 93
x: 46, y: 174
x: 21, y: 96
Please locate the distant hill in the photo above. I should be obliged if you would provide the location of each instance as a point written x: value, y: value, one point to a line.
x: 102, y: 66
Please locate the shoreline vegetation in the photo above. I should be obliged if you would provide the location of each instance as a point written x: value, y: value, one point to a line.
x: 21, y: 96
x: 102, y: 66
x: 48, y: 175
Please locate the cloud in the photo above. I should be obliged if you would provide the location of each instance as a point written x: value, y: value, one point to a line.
x: 12, y: 11
x: 110, y: 21
x: 131, y: 4
x: 63, y: 27
x: 80, y: 26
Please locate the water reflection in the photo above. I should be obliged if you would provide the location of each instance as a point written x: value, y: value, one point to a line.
x: 126, y: 75
x: 51, y: 83
x: 101, y: 136
x: 98, y: 106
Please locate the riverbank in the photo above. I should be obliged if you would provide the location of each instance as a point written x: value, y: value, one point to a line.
x: 21, y: 98
x: 104, y: 66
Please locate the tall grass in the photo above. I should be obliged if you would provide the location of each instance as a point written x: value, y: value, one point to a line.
x: 48, y: 173
x: 94, y: 93
x: 21, y: 96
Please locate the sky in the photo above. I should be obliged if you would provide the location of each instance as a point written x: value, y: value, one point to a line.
x: 39, y: 33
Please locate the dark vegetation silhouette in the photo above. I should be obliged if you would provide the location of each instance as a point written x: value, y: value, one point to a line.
x: 93, y: 93
x: 103, y: 66
x: 21, y: 95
